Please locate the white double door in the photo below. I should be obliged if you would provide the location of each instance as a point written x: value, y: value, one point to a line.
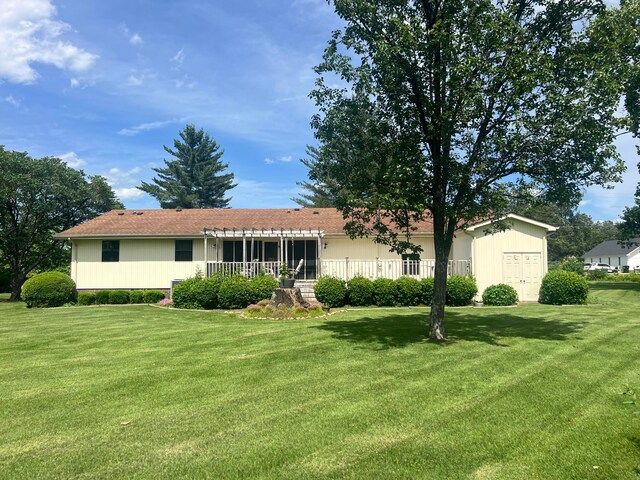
x: 523, y: 271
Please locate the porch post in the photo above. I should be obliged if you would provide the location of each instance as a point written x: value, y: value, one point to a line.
x: 319, y: 258
x: 244, y: 252
x: 217, y: 255
x: 206, y: 255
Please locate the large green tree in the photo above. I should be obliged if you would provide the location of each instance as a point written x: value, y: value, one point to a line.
x: 194, y: 178
x: 38, y: 198
x: 439, y: 109
x: 313, y: 195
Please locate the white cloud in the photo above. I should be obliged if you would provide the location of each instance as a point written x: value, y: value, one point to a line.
x: 11, y: 101
x: 30, y: 34
x: 72, y: 160
x: 123, y: 182
x: 135, y: 81
x: 178, y: 58
x: 74, y: 82
x: 145, y: 127
x: 135, y: 39
x: 128, y: 193
x: 283, y: 159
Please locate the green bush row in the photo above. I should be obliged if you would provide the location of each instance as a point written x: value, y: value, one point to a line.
x: 384, y: 292
x: 222, y: 291
x: 120, y: 297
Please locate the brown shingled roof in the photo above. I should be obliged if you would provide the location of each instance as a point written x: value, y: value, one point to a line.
x: 192, y: 222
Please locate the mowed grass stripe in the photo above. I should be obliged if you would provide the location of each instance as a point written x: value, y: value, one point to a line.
x: 360, y: 395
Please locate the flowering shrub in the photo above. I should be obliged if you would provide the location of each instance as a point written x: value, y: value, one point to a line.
x: 166, y: 302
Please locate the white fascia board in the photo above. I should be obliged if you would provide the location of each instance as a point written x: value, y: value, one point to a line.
x: 547, y: 227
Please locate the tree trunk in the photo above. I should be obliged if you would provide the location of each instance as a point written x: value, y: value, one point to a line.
x: 436, y: 321
x: 443, y: 231
x: 16, y: 285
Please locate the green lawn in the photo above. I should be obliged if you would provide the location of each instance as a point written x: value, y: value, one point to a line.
x: 530, y: 392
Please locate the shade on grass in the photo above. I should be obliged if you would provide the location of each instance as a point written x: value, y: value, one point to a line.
x: 526, y: 392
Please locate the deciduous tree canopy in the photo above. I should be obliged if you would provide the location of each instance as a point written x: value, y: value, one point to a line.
x: 39, y: 197
x: 443, y: 108
x: 193, y: 179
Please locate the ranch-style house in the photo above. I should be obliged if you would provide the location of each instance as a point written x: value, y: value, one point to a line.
x: 148, y: 249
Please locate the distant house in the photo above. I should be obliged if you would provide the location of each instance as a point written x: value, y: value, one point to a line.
x: 126, y: 249
x: 616, y: 255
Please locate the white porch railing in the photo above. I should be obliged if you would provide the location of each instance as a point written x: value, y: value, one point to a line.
x: 246, y: 269
x: 347, y: 268
x: 393, y: 269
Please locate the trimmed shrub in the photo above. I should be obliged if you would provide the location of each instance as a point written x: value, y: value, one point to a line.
x: 234, y: 292
x: 360, y: 291
x: 460, y: 290
x: 331, y: 291
x: 426, y: 290
x: 563, y: 288
x: 187, y: 293
x: 49, y: 289
x: 385, y: 292
x: 500, y: 295
x: 102, y: 297
x: 409, y: 291
x: 86, y: 298
x: 118, y: 297
x: 136, y: 296
x: 153, y: 296
x: 597, y: 274
x: 197, y: 293
x: 262, y: 287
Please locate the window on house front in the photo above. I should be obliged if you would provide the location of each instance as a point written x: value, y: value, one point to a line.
x: 232, y: 251
x: 410, y: 264
x: 184, y: 250
x: 111, y: 250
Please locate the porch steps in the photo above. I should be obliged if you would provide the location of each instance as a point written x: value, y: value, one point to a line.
x: 306, y: 288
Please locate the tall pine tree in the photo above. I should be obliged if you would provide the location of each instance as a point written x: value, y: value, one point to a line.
x: 315, y: 195
x: 194, y: 179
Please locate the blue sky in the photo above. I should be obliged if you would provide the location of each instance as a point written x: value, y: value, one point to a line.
x: 104, y: 85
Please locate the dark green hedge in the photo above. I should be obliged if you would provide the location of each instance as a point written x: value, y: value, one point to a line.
x: 426, y: 290
x: 460, y: 290
x: 262, y: 287
x: 500, y: 295
x: 49, y: 289
x: 331, y: 291
x: 385, y: 292
x: 563, y: 288
x: 102, y: 297
x: 360, y: 291
x: 118, y: 297
x: 136, y: 296
x: 153, y: 296
x: 234, y: 292
x: 409, y: 291
x: 86, y: 298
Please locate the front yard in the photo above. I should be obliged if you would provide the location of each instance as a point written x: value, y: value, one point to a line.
x: 141, y: 392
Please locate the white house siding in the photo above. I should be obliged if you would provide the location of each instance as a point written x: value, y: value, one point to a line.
x: 338, y: 248
x: 517, y: 256
x: 144, y: 264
